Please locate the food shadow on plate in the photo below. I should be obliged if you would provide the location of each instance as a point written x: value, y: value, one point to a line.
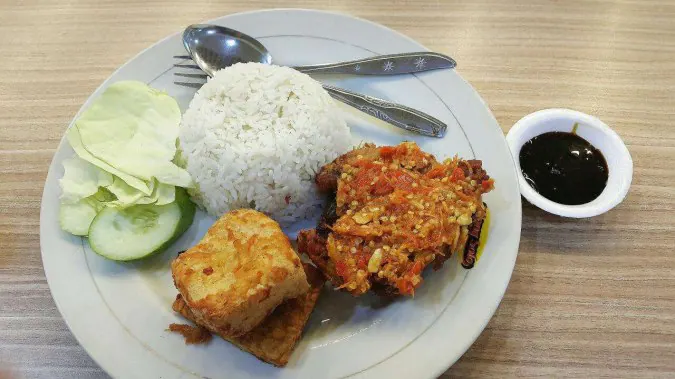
x: 336, y: 309
x: 429, y: 294
x: 243, y: 364
x: 339, y: 316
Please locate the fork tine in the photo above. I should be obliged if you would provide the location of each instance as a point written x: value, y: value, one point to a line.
x: 182, y: 57
x: 187, y: 66
x: 193, y: 85
x: 198, y: 76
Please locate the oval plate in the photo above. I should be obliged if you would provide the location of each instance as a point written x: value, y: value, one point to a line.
x: 119, y: 312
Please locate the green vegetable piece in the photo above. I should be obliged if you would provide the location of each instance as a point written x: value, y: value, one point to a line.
x: 75, y: 141
x: 126, y: 195
x: 140, y: 230
x: 76, y: 218
x: 134, y: 129
x: 166, y: 194
x: 81, y: 179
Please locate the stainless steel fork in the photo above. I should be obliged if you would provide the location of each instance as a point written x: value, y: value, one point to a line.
x: 401, y: 116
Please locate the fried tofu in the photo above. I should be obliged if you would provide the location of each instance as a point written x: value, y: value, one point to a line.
x: 275, y: 338
x: 241, y: 270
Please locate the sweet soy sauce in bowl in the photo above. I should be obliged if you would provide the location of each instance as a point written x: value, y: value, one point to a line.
x: 564, y: 167
x: 570, y: 164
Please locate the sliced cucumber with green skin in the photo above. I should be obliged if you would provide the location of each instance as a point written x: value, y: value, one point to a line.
x: 187, y: 208
x: 140, y: 230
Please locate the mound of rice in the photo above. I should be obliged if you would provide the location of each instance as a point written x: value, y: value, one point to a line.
x: 255, y: 135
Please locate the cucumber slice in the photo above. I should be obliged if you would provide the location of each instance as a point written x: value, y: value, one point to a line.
x: 187, y: 208
x: 134, y: 232
x: 77, y: 217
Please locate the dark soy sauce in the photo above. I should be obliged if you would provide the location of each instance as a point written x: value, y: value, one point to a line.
x: 564, y: 168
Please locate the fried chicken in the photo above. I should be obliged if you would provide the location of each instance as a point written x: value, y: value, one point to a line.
x: 396, y: 210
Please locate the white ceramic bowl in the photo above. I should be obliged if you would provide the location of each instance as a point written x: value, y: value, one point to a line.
x: 619, y: 162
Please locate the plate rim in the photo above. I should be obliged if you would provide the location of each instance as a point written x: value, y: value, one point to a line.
x: 441, y: 367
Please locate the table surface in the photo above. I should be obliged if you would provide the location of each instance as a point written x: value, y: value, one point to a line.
x: 588, y: 298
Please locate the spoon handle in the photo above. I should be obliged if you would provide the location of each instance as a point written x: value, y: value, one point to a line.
x: 392, y: 64
x: 396, y: 114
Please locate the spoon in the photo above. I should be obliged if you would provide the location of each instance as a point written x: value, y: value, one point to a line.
x: 214, y: 47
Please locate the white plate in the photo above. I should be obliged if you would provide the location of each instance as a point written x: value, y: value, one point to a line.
x: 119, y: 312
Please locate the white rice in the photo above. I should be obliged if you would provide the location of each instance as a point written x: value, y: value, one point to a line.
x: 255, y: 135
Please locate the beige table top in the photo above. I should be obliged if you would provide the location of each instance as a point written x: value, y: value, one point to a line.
x: 588, y: 298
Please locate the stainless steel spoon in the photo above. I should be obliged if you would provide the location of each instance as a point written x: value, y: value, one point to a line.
x: 217, y: 47
x: 214, y: 47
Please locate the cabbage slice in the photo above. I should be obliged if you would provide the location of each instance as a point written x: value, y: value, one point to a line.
x: 165, y: 194
x: 134, y: 129
x: 125, y: 145
x: 126, y: 194
x: 81, y: 179
x: 73, y: 136
x: 162, y: 194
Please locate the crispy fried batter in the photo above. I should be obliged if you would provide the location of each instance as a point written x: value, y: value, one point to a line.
x: 275, y: 338
x: 327, y: 179
x: 398, y: 210
x: 193, y: 334
x: 240, y: 271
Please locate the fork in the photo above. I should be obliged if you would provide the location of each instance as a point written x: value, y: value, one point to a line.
x: 398, y: 115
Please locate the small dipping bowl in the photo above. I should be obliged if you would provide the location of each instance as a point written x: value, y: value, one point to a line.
x: 598, y: 134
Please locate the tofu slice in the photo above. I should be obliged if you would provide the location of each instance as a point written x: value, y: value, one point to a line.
x: 274, y: 340
x: 241, y: 270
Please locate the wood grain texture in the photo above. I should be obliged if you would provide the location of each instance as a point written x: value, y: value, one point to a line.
x: 588, y: 298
